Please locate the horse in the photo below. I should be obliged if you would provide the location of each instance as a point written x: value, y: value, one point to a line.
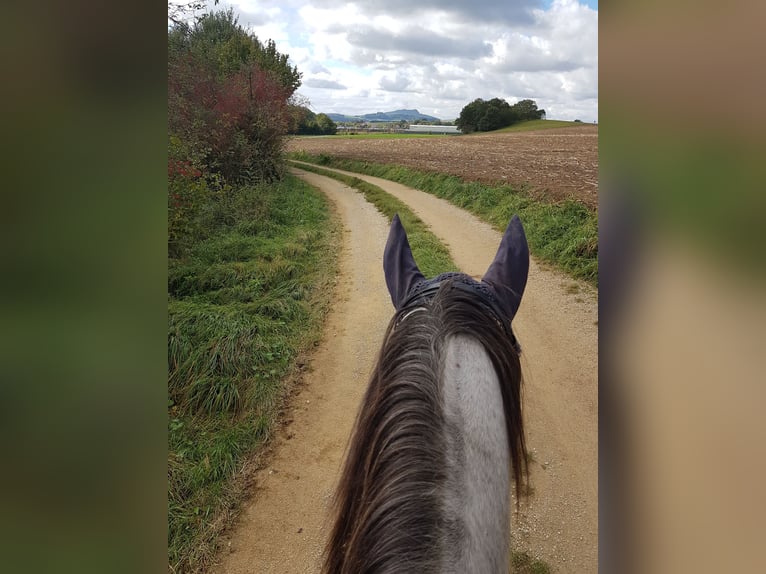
x: 426, y: 483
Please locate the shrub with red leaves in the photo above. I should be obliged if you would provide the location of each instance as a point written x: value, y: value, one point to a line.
x: 227, y: 97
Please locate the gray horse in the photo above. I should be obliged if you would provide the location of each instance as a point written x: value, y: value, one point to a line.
x: 426, y: 483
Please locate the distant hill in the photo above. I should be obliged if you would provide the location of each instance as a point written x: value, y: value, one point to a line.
x: 344, y: 118
x: 394, y: 116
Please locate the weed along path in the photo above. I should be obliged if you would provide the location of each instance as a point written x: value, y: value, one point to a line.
x: 283, y: 527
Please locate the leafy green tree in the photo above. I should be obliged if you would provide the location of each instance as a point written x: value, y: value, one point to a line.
x: 228, y: 97
x: 482, y: 115
x: 314, y: 124
x: 527, y: 110
x: 498, y: 114
x: 470, y: 115
x: 220, y: 42
x: 304, y: 120
x: 326, y: 125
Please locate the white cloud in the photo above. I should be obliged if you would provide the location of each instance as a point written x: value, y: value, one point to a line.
x: 323, y: 84
x: 435, y: 55
x: 398, y: 82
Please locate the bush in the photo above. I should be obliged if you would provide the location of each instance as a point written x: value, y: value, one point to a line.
x: 228, y: 97
x: 188, y: 193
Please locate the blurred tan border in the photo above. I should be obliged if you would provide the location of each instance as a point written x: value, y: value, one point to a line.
x: 683, y: 341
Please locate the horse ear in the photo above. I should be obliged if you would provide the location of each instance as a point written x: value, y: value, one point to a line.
x: 399, y: 265
x: 508, y: 272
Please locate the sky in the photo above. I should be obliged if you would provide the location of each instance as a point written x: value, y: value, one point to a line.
x: 366, y: 56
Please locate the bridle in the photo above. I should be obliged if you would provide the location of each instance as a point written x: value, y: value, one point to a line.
x: 425, y: 291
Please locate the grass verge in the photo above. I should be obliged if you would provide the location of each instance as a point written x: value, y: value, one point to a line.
x: 430, y: 254
x: 564, y: 234
x: 537, y: 125
x: 244, y: 303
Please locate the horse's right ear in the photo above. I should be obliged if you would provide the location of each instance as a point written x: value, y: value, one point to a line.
x: 508, y: 272
x: 399, y: 265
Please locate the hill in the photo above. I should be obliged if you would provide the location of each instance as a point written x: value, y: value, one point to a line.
x: 393, y: 116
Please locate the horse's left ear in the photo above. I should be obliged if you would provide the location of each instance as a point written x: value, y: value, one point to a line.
x: 399, y: 265
x: 508, y: 272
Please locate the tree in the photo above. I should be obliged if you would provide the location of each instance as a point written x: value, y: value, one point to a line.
x: 220, y: 42
x: 228, y: 97
x: 481, y: 115
x: 527, y: 110
x: 470, y: 115
x: 310, y: 123
x: 499, y: 114
x: 326, y: 125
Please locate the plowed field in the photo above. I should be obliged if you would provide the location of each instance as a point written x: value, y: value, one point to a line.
x: 554, y: 164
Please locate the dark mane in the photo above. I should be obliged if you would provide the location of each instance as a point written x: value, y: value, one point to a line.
x: 388, y: 504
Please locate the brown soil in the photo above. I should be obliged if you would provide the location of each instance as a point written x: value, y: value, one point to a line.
x: 283, y: 527
x: 554, y: 164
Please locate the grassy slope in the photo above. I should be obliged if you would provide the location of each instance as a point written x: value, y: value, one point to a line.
x: 536, y: 125
x: 242, y: 306
x: 564, y: 234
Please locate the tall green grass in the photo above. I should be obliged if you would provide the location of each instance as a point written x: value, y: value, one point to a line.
x: 243, y: 304
x: 430, y: 254
x: 564, y: 234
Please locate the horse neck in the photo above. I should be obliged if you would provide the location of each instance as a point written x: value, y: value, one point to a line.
x: 426, y: 483
x: 477, y: 490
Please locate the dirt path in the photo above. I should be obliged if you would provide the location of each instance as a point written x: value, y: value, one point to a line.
x: 282, y: 529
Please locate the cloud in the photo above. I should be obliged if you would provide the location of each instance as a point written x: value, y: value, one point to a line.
x: 248, y: 15
x: 418, y: 40
x: 398, y: 83
x: 518, y: 53
x: 323, y: 84
x: 361, y: 56
x: 317, y: 68
x: 492, y: 11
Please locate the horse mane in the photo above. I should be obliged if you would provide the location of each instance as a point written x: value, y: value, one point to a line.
x: 388, y: 506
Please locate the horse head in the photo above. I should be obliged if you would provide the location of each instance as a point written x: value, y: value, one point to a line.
x: 502, y: 285
x: 439, y: 433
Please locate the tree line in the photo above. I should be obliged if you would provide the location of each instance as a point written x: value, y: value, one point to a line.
x: 307, y: 123
x: 487, y: 115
